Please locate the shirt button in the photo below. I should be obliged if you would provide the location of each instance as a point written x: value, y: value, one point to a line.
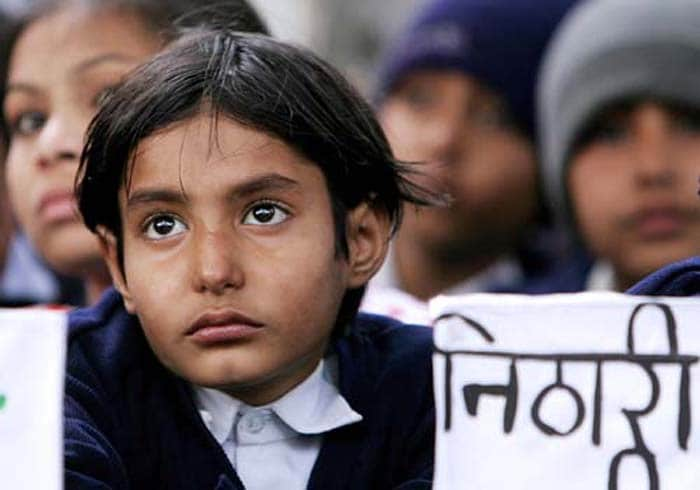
x: 254, y: 422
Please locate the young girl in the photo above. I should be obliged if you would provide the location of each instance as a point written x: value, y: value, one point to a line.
x: 244, y: 195
x: 620, y: 138
x: 64, y: 59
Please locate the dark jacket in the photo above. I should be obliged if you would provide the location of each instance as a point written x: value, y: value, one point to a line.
x: 678, y: 279
x: 130, y: 423
x: 569, y: 276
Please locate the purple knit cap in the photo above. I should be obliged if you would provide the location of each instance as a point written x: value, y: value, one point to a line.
x: 498, y: 42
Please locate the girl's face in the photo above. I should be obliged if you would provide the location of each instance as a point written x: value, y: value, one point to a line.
x: 61, y: 66
x: 633, y: 187
x: 463, y: 133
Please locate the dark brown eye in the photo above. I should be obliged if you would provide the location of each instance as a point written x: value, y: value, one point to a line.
x: 164, y: 226
x: 265, y: 214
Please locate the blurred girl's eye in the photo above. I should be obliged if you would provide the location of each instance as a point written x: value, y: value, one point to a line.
x: 490, y: 116
x: 265, y: 214
x: 419, y: 96
x: 27, y: 123
x: 609, y: 132
x: 164, y: 226
x: 686, y: 120
x: 606, y: 130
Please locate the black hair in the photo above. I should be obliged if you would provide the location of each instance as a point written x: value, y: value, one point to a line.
x: 284, y: 91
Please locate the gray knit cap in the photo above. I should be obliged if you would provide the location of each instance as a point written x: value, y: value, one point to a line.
x: 606, y: 51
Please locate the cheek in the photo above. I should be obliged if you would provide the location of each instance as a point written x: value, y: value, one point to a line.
x: 499, y: 175
x: 153, y: 301
x: 597, y: 198
x: 163, y: 342
x: 22, y: 182
x: 154, y: 278
x: 310, y: 306
x: 304, y: 276
x: 307, y: 269
x: 402, y: 131
x: 688, y: 169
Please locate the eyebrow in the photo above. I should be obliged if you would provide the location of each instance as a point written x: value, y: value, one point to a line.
x: 147, y: 196
x: 79, y: 69
x: 20, y: 87
x: 266, y: 182
x: 90, y: 63
x: 262, y: 183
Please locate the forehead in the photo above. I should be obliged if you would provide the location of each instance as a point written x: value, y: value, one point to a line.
x: 457, y: 80
x: 64, y: 39
x: 207, y: 153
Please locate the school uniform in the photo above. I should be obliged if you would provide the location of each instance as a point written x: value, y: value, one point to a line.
x: 579, y: 273
x: 384, y: 295
x: 25, y: 280
x: 677, y: 279
x: 131, y: 423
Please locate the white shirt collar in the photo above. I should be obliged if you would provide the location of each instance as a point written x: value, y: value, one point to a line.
x: 314, y: 406
x: 601, y: 277
x: 218, y: 411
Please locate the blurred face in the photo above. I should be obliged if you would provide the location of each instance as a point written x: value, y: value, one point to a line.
x: 61, y: 66
x: 229, y: 257
x: 463, y: 133
x: 6, y: 221
x: 633, y: 187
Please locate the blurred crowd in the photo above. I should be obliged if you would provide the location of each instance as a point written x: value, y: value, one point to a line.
x: 537, y: 146
x: 564, y: 134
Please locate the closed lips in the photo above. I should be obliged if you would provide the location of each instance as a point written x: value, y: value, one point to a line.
x: 222, y: 319
x: 57, y: 205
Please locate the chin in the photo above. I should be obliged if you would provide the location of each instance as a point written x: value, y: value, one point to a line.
x: 78, y: 262
x: 435, y: 231
x: 222, y: 383
x: 656, y: 260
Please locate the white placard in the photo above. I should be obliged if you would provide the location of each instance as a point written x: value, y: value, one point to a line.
x: 592, y: 391
x: 32, y: 368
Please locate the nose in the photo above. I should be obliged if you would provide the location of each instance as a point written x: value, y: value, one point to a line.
x: 445, y: 134
x: 654, y: 146
x: 215, y: 267
x: 442, y: 143
x: 60, y: 141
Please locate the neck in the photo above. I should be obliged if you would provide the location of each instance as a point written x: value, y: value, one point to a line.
x: 624, y: 281
x: 424, y: 274
x: 6, y: 234
x: 5, y: 238
x: 263, y: 392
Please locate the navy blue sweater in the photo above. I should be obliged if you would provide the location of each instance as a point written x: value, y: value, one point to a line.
x: 679, y: 279
x: 130, y: 423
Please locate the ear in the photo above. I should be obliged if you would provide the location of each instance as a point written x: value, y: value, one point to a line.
x: 108, y: 247
x: 368, y: 230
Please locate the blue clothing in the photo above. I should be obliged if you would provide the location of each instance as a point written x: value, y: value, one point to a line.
x: 475, y: 37
x: 678, y: 279
x: 131, y: 423
x: 568, y: 277
x: 26, y: 280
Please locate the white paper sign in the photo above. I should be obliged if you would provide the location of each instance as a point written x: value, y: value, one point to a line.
x: 32, y: 367
x: 593, y: 391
